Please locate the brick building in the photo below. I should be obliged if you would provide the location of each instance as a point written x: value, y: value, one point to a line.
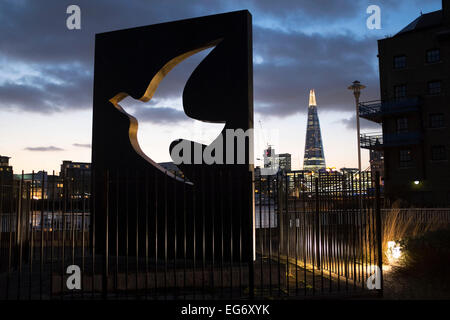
x: 414, y: 110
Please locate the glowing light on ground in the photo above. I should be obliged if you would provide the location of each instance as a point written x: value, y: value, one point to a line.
x: 394, y: 251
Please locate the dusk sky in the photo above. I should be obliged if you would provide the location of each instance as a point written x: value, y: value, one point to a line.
x: 46, y: 75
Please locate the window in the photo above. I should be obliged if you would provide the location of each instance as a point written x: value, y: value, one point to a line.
x: 402, y: 125
x: 405, y: 158
x: 399, y: 62
x: 437, y: 120
x: 434, y: 87
x: 433, y: 56
x: 400, y: 91
x: 438, y: 153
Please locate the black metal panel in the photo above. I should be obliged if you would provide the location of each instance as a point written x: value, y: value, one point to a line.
x: 133, y: 62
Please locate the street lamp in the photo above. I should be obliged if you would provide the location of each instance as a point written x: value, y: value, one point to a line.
x: 356, y: 87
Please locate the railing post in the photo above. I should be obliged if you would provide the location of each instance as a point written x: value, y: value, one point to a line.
x: 251, y: 266
x: 288, y: 219
x: 379, y: 233
x: 281, y: 217
x: 316, y: 224
x: 106, y: 256
x: 19, y: 211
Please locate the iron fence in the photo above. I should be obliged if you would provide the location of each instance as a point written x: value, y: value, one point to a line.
x: 327, y: 241
x: 313, y: 235
x: 439, y: 216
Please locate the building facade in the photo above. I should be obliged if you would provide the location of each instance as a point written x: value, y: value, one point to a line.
x: 6, y: 184
x: 414, y: 111
x: 35, y: 183
x: 76, y: 178
x: 284, y: 161
x: 270, y: 158
x: 6, y: 171
x: 274, y: 162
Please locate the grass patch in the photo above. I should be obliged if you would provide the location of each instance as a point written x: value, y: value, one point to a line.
x: 423, y: 272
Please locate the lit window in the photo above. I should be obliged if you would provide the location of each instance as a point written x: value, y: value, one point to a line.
x: 400, y: 91
x: 399, y: 62
x: 434, y: 87
x: 437, y: 120
x: 402, y: 125
x: 438, y: 153
x: 405, y: 158
x: 433, y: 56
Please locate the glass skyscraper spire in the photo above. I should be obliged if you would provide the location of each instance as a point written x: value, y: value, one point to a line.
x: 314, y: 158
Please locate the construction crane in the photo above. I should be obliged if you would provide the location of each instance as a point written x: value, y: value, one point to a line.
x: 264, y: 137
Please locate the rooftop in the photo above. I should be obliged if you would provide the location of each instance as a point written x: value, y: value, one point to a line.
x: 424, y: 21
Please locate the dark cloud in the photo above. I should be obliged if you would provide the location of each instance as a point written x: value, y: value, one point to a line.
x: 57, y: 87
x: 364, y: 124
x: 43, y: 149
x: 82, y: 145
x: 294, y: 63
x: 317, y: 10
x: 34, y: 33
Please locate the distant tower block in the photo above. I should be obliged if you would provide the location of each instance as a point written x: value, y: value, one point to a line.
x: 314, y: 158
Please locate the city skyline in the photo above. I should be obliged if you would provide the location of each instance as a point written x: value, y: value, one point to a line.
x: 47, y: 96
x: 224, y: 151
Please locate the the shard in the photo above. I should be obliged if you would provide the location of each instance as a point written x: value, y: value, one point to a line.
x: 314, y: 158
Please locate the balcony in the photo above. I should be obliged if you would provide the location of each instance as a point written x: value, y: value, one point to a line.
x: 380, y: 141
x: 375, y: 110
x: 371, y: 140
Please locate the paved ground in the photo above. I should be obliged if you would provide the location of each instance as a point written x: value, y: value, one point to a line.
x: 398, y: 285
x: 401, y: 285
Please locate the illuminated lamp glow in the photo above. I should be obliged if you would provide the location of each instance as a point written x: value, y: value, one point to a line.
x: 394, y: 251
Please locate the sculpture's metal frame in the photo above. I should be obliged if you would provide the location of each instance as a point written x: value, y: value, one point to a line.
x: 133, y: 62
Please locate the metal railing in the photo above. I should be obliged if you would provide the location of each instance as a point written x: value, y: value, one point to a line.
x: 371, y: 140
x: 439, y: 216
x: 327, y: 242
x: 379, y: 140
x: 314, y: 235
x: 372, y: 110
